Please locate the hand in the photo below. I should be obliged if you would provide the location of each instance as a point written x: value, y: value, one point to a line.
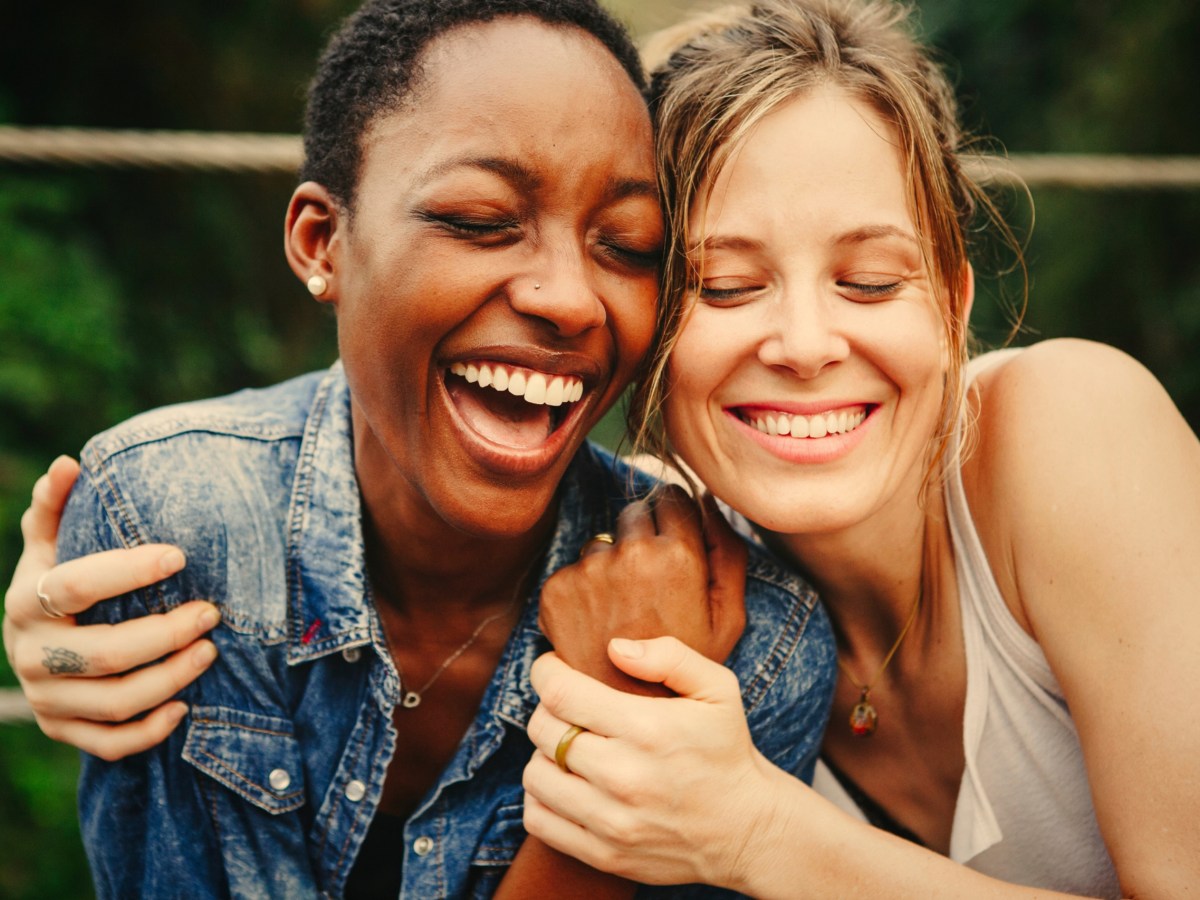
x: 670, y: 572
x: 661, y: 791
x: 77, y: 678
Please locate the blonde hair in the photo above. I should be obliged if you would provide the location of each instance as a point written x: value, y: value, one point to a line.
x: 715, y: 76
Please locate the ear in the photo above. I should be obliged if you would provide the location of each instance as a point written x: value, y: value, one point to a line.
x: 311, y: 238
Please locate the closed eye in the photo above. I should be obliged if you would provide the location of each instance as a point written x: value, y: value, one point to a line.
x: 726, y: 296
x: 871, y: 291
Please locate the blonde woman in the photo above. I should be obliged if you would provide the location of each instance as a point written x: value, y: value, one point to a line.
x: 1006, y: 547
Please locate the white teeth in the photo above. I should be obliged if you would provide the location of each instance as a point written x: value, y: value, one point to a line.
x: 537, y: 388
x: 818, y: 426
x: 516, y: 384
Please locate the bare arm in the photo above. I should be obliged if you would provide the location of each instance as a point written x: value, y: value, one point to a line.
x: 1104, y: 506
x: 79, y: 679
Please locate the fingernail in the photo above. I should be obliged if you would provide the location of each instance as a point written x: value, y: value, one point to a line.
x: 172, y: 561
x: 209, y: 619
x: 627, y: 648
x: 203, y: 655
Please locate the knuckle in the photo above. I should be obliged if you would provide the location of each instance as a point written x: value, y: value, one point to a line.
x: 107, y: 749
x: 27, y: 668
x: 553, y: 694
x: 50, y: 726
x: 114, y: 709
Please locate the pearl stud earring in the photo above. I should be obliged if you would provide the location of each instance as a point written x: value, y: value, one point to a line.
x: 317, y: 285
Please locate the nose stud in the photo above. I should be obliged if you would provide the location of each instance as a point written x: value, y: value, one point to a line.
x: 537, y: 285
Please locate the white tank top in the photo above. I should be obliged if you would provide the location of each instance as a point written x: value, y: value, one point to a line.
x: 1024, y: 812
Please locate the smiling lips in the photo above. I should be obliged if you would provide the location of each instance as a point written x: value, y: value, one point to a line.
x: 841, y: 421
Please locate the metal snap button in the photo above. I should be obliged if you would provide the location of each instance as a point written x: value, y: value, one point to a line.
x: 355, y: 791
x: 279, y: 779
x: 423, y: 845
x: 352, y: 654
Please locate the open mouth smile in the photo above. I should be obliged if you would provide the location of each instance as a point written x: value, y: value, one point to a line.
x: 514, y: 407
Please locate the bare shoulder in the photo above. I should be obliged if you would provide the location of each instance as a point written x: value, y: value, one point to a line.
x: 1064, y: 408
x: 1078, y: 449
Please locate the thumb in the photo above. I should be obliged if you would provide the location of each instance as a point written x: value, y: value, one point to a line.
x: 669, y: 661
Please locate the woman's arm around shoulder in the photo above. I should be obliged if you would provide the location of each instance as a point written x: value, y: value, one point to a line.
x: 1086, y: 490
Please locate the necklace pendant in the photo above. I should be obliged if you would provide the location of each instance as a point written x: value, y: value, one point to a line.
x: 863, y: 718
x: 410, y: 699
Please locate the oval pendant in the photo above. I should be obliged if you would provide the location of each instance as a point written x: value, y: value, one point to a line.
x: 863, y: 719
x: 410, y: 699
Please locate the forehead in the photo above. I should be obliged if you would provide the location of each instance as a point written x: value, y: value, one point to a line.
x: 824, y: 155
x: 517, y: 86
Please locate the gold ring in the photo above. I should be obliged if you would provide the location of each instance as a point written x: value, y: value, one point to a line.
x: 44, y: 599
x: 564, y: 744
x: 602, y: 538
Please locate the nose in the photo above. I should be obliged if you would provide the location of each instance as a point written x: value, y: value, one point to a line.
x: 559, y: 290
x: 804, y: 333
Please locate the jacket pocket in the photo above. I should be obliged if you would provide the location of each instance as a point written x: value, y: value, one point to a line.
x: 255, y: 756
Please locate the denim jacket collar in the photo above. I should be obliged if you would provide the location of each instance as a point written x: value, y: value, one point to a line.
x: 329, y: 608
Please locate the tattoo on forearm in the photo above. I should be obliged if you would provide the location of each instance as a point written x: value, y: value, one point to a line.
x: 61, y: 661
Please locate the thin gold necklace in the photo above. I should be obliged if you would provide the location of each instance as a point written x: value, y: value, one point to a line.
x: 863, y: 718
x: 410, y: 698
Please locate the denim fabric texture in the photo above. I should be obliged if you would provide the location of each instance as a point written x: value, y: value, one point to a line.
x: 267, y: 787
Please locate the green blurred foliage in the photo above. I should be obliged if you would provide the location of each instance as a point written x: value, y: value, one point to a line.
x: 126, y: 289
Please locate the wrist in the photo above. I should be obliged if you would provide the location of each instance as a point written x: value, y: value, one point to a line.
x: 768, y: 834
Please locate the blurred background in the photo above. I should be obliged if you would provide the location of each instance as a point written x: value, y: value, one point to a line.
x: 124, y: 288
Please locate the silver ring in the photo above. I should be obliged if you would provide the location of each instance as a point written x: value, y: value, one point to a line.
x: 44, y: 599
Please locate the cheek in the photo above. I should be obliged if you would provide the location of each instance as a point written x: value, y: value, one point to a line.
x: 695, y: 371
x: 633, y: 315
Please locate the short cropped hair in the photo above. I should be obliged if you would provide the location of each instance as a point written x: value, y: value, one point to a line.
x: 369, y: 66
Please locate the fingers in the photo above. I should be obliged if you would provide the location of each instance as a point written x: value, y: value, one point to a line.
x: 635, y: 521
x: 50, y: 492
x: 79, y: 584
x: 669, y: 661
x: 113, y: 742
x: 118, y: 697
x: 112, y: 649
x: 564, y: 835
x: 677, y: 516
x: 727, y: 556
x: 578, y: 699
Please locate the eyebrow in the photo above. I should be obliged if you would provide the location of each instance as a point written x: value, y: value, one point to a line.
x: 874, y: 233
x: 526, y: 181
x: 510, y: 170
x: 725, y: 242
x: 855, y: 236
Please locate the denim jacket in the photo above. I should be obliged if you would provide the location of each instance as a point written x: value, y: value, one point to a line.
x: 267, y: 788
